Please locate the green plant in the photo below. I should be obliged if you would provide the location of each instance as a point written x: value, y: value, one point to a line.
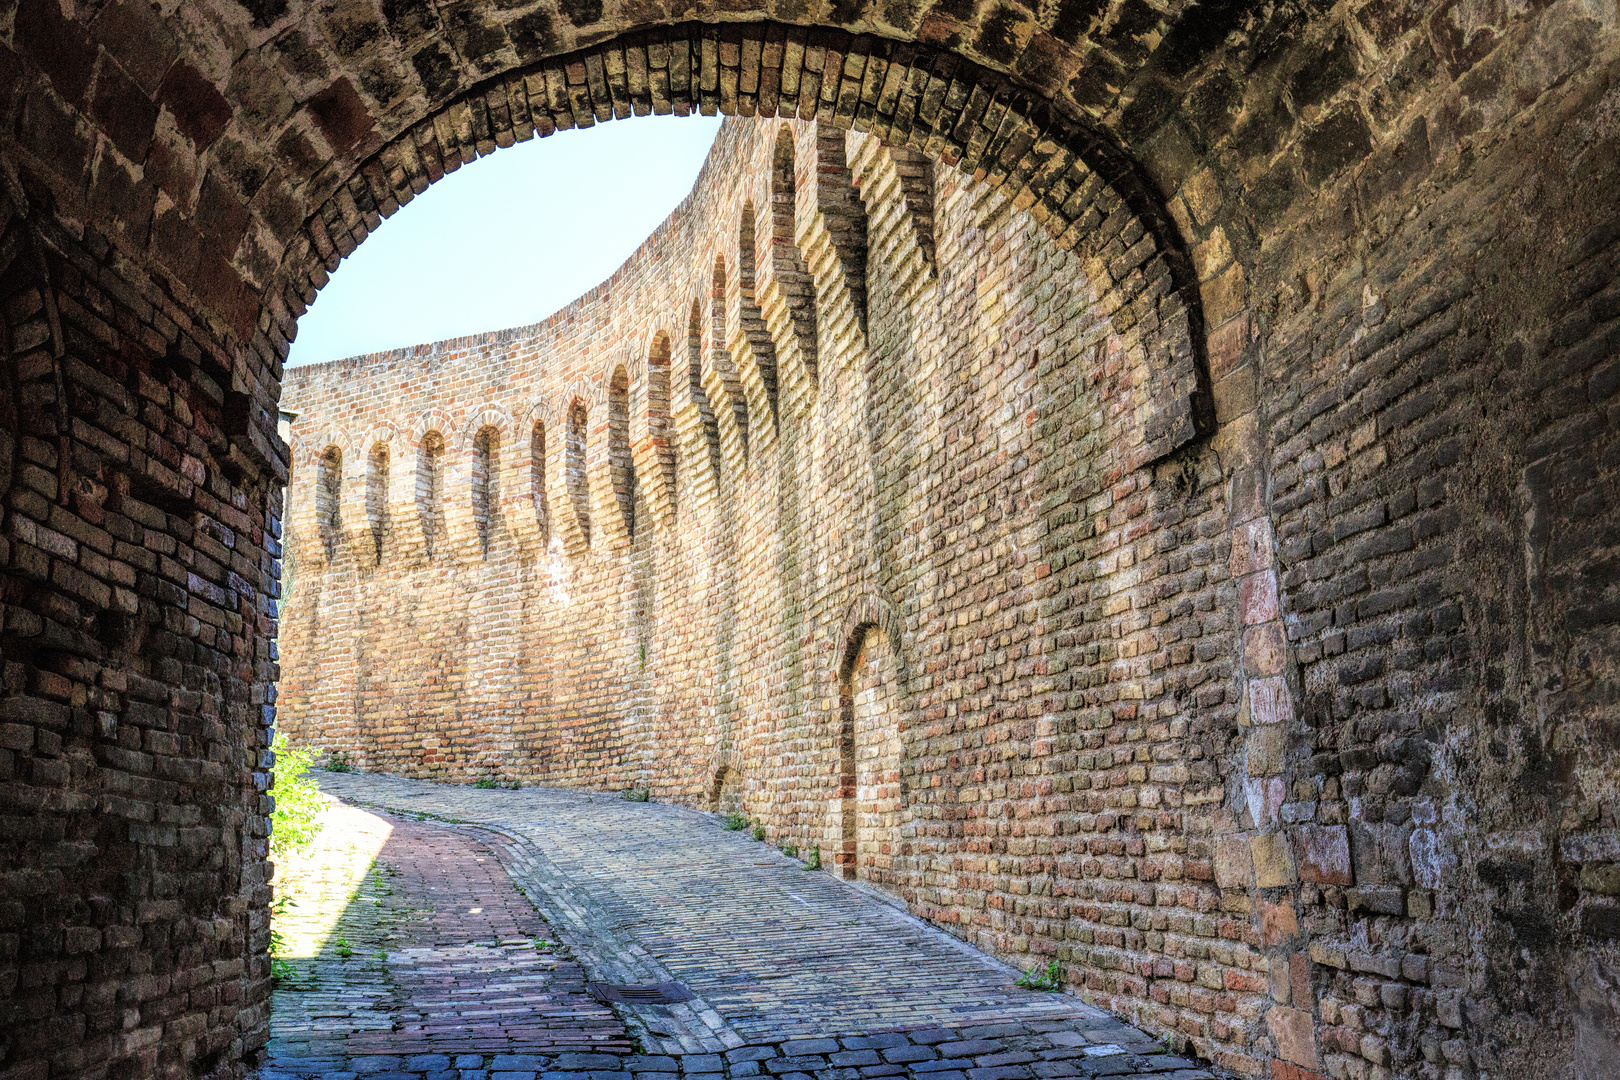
x: 338, y: 761
x: 281, y: 970
x: 813, y: 861
x: 643, y: 656
x: 1035, y: 979
x: 632, y: 794
x: 735, y: 822
x: 278, y: 941
x: 512, y: 785
x: 791, y: 851
x: 344, y: 949
x: 296, y: 820
x: 759, y: 832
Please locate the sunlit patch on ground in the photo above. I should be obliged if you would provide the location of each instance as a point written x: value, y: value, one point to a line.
x: 320, y: 882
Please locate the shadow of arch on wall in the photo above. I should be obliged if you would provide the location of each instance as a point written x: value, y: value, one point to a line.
x: 1071, y: 178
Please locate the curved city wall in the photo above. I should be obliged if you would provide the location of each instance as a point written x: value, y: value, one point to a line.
x: 828, y: 508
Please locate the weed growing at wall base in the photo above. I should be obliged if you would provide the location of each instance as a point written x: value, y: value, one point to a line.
x: 1035, y: 979
x: 296, y: 820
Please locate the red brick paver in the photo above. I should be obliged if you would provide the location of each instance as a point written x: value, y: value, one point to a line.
x: 445, y: 955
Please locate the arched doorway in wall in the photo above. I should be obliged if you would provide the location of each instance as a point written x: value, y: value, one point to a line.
x: 869, y: 755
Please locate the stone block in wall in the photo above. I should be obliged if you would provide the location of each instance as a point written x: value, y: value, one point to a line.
x: 1234, y: 866
x: 1380, y: 853
x: 1324, y: 854
x: 1294, y: 1032
x: 1273, y: 862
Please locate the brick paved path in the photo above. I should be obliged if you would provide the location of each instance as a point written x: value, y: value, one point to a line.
x: 796, y: 975
x: 443, y: 951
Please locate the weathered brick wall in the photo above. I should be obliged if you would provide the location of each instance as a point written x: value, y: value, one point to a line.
x: 1046, y: 624
x: 1209, y: 731
x: 138, y: 534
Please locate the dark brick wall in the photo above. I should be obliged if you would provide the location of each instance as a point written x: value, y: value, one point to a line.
x: 136, y: 666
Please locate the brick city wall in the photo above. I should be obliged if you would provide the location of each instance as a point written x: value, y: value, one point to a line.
x: 1259, y: 627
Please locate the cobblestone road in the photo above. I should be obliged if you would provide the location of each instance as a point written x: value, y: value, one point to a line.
x: 794, y: 975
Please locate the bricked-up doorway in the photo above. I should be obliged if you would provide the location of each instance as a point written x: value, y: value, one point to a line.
x: 869, y: 753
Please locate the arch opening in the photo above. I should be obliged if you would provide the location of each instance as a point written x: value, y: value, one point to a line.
x: 377, y: 497
x: 620, y: 462
x: 329, y: 499
x: 537, y: 482
x: 660, y: 428
x: 430, y: 490
x: 579, y: 491
x: 869, y: 752
x: 485, y: 483
x: 792, y: 275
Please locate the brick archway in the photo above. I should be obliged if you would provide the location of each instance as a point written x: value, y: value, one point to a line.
x: 1074, y: 179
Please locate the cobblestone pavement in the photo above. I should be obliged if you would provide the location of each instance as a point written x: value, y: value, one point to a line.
x: 407, y: 938
x: 794, y: 975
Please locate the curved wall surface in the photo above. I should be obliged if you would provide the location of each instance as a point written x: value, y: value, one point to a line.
x: 882, y: 568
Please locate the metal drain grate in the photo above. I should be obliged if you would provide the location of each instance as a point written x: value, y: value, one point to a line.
x: 647, y: 994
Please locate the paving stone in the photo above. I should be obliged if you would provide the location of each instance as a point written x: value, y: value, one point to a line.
x: 809, y: 1046
x: 999, y: 1072
x: 1011, y: 1057
x: 652, y: 1063
x: 970, y: 1047
x: 942, y: 1064
x: 1055, y: 1068
x: 879, y: 1041
x: 702, y: 1063
x: 854, y: 1057
x: 797, y: 1063
x: 702, y: 1040
x: 576, y: 1062
x: 427, y: 1063
x: 934, y: 1035
x: 376, y: 1063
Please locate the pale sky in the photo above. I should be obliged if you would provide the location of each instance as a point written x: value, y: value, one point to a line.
x: 508, y: 239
